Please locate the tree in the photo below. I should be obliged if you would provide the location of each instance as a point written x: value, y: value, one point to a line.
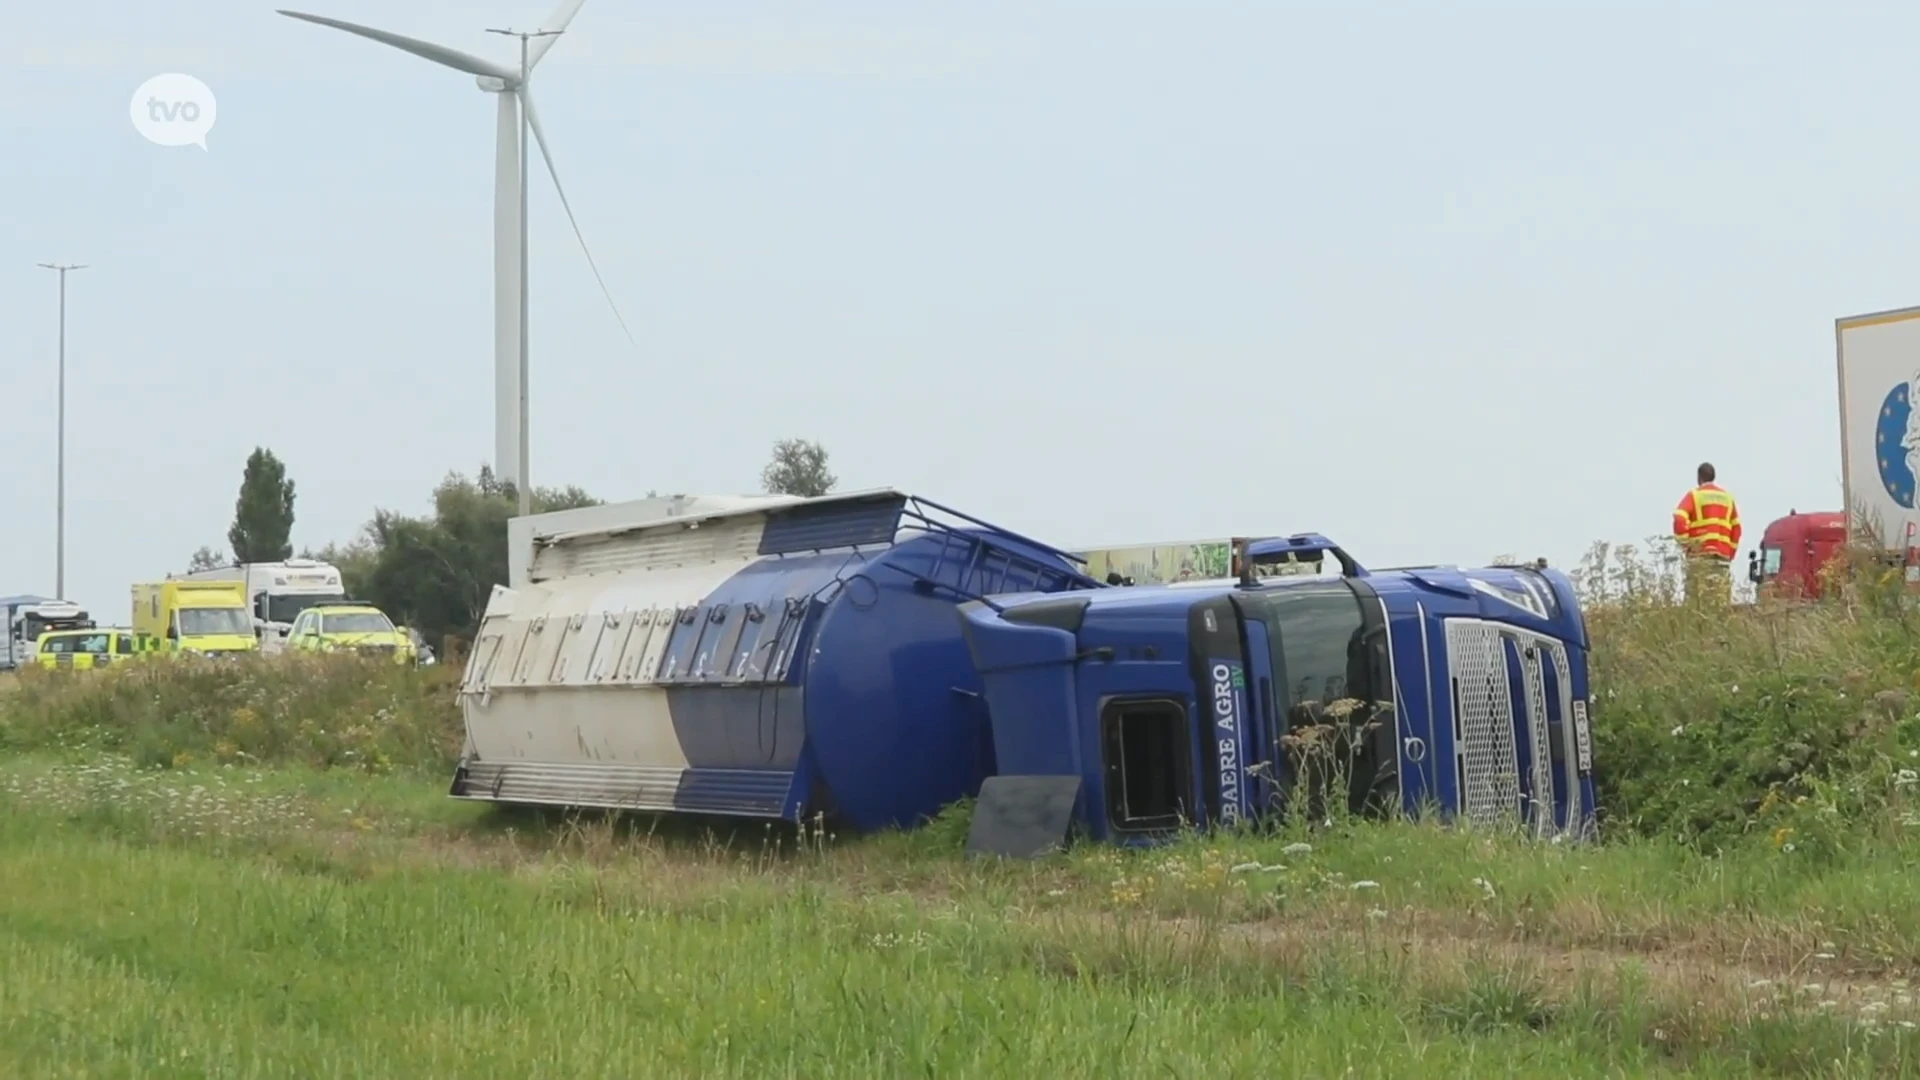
x: 205, y: 559
x: 263, y: 514
x: 799, y: 467
x: 436, y: 573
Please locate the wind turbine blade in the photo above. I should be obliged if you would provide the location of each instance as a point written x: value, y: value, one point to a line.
x: 426, y: 50
x: 533, y: 121
x: 561, y: 16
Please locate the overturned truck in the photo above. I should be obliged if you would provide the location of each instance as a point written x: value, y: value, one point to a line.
x: 874, y: 657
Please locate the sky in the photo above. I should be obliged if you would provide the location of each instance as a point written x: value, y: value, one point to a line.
x: 1441, y: 282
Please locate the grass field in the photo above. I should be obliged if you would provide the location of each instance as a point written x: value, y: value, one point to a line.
x: 255, y: 871
x: 221, y: 921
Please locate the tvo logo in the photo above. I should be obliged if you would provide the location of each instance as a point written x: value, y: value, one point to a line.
x: 173, y: 110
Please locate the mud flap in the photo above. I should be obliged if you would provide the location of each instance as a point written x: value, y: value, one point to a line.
x: 1023, y: 817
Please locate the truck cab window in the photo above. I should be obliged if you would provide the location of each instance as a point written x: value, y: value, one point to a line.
x: 1315, y: 632
x: 287, y: 607
x: 1328, y: 646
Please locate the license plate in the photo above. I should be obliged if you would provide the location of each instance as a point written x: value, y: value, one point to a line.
x: 1582, y: 742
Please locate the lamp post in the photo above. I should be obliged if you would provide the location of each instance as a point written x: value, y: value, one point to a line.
x: 524, y: 486
x: 60, y: 484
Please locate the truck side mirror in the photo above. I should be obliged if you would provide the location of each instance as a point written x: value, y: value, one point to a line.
x: 1753, y: 567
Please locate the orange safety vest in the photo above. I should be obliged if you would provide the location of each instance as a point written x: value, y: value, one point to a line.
x: 1707, y: 522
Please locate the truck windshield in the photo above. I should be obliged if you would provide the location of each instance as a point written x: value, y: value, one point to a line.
x: 32, y: 625
x: 355, y: 622
x: 198, y: 622
x: 1769, y: 562
x: 287, y: 607
x: 1315, y: 630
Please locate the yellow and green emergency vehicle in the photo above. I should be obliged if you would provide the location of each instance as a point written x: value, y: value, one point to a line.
x: 84, y: 650
x: 209, y: 618
x: 351, y: 627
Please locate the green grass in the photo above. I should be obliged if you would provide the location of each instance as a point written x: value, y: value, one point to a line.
x: 127, y: 958
x: 233, y: 922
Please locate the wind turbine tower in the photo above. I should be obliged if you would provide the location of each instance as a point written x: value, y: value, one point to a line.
x: 514, y: 111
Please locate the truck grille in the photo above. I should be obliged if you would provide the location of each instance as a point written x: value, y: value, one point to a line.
x: 1489, y: 770
x: 1491, y: 664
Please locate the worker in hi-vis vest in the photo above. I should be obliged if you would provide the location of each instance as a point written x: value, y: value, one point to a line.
x: 1707, y: 524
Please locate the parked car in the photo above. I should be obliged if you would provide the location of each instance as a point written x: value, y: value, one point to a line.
x: 84, y: 649
x: 350, y: 626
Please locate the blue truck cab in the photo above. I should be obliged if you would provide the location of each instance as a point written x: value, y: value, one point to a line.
x: 1214, y: 703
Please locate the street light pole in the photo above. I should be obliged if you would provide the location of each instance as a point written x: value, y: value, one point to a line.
x: 524, y: 488
x: 60, y: 484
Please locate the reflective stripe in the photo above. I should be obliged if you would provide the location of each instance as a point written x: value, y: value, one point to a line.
x: 1708, y: 521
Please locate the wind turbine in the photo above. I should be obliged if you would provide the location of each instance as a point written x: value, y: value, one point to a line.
x: 515, y: 113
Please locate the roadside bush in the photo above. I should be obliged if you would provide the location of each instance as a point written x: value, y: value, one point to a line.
x: 1791, y: 721
x: 327, y: 711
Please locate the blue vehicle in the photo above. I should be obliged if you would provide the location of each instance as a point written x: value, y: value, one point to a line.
x: 1213, y: 703
x: 756, y: 659
x: 873, y: 657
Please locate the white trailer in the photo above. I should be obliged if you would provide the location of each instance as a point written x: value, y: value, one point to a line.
x: 526, y: 535
x: 1879, y: 367
x: 278, y: 592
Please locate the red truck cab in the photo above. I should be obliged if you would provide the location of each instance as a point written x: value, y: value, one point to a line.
x: 1793, y: 550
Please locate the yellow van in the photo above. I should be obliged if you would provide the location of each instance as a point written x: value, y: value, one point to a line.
x: 84, y: 650
x: 210, y: 618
